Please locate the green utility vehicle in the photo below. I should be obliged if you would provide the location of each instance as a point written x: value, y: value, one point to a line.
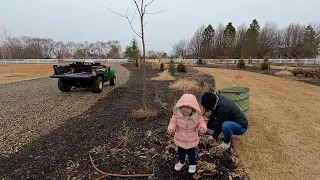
x: 83, y: 75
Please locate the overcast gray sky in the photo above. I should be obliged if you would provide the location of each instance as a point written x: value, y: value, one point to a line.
x: 80, y: 20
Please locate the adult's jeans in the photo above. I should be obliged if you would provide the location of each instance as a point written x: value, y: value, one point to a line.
x: 228, y: 129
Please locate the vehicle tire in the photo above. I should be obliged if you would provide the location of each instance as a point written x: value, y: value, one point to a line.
x: 113, y: 80
x: 97, y: 85
x: 64, y: 85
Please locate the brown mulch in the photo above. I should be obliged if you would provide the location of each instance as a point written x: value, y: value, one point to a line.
x: 118, y: 141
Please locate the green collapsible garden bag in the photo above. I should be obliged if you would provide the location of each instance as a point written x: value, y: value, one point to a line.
x: 239, y: 95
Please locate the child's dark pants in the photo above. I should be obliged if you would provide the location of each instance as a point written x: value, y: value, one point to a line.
x: 191, y: 154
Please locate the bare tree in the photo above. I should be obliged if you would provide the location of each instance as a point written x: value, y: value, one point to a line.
x: 196, y: 42
x: 7, y: 50
x: 219, y: 42
x: 267, y: 40
x: 47, y: 47
x: 142, y: 12
x: 152, y: 54
x: 292, y: 41
x: 180, y: 49
x: 72, y: 47
x: 240, y: 40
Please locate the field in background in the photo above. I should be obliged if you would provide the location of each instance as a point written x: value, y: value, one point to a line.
x: 282, y: 141
x: 23, y: 72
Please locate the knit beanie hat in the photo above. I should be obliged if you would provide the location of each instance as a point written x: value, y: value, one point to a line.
x: 208, y: 100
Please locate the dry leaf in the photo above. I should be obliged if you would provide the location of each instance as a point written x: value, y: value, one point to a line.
x: 196, y: 176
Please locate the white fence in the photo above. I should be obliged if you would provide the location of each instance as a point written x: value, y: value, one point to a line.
x: 234, y: 61
x: 98, y: 60
x: 225, y: 61
x: 28, y: 61
x: 53, y: 61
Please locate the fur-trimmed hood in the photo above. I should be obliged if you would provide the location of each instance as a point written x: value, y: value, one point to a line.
x: 187, y: 100
x: 186, y: 135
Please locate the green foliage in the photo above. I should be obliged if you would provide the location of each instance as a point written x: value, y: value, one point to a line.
x: 230, y: 31
x: 208, y: 33
x: 265, y: 66
x: 207, y: 41
x: 241, y: 64
x: 251, y: 42
x: 254, y: 26
x: 172, y: 67
x: 181, y: 67
x: 161, y: 67
x: 132, y: 52
x: 200, y: 61
x: 311, y: 42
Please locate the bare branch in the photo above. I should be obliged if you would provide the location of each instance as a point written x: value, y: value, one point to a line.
x: 156, y: 12
x: 130, y: 22
x: 134, y: 15
x: 116, y: 13
x: 146, y: 6
x: 137, y: 7
x: 148, y: 3
x: 145, y: 23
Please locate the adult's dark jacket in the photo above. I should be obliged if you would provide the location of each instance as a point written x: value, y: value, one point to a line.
x: 226, y: 110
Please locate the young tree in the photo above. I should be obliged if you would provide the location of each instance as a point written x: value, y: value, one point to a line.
x: 7, y: 49
x: 132, y: 52
x: 142, y: 12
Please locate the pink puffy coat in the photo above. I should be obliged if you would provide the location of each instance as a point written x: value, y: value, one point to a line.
x: 186, y: 131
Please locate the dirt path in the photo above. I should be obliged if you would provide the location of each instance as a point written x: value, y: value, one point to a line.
x: 282, y: 141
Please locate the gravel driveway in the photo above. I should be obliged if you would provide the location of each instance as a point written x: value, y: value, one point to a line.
x: 34, y: 108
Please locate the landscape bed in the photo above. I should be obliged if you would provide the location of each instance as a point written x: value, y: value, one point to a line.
x: 119, y: 139
x: 312, y: 71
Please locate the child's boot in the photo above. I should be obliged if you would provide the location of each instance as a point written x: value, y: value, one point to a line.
x: 179, y: 166
x: 192, y: 168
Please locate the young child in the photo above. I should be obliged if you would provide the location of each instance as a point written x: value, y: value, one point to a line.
x: 187, y: 121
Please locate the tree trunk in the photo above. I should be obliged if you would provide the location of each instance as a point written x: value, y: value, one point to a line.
x: 10, y: 63
x: 144, y: 91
